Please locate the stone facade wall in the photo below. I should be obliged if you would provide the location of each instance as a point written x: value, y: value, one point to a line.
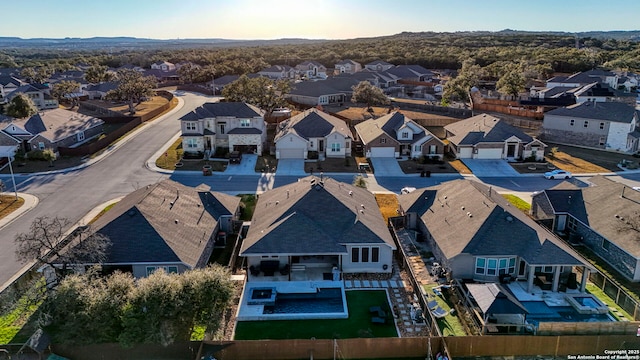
x: 616, y: 257
x: 570, y: 137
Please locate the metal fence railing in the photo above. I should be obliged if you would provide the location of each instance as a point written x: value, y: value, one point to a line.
x: 615, y: 292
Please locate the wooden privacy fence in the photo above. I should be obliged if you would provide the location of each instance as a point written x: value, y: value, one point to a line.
x: 589, y: 328
x: 362, y: 348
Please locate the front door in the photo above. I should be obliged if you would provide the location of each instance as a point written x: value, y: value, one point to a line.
x: 321, y: 145
x: 511, y: 150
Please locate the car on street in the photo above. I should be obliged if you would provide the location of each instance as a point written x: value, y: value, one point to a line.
x: 557, y: 174
x: 235, y: 157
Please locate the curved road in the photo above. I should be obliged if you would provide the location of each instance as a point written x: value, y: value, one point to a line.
x: 73, y: 194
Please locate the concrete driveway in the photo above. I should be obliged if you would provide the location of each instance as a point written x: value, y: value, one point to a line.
x: 291, y: 167
x: 490, y: 168
x: 247, y: 166
x: 386, y: 167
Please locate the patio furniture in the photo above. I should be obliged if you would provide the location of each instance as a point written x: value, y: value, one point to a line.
x: 543, y: 282
x: 269, y: 267
x: 439, y: 312
x: 378, y: 320
x: 378, y: 310
x: 432, y: 304
x: 255, y: 271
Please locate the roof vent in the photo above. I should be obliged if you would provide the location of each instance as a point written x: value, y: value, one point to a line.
x: 469, y: 214
x: 350, y: 193
x: 361, y: 211
x: 277, y: 202
x: 509, y: 219
x: 362, y: 206
x: 176, y: 221
x: 617, y: 216
x: 131, y: 212
x: 462, y: 208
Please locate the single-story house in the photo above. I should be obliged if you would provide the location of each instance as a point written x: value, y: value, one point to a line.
x: 396, y: 135
x: 598, y: 125
x: 51, y: 129
x: 476, y: 235
x: 166, y: 225
x: 99, y: 91
x: 313, y: 130
x: 487, y: 137
x: 237, y: 126
x: 602, y: 217
x: 314, y: 228
x: 378, y: 65
x: 334, y: 90
x: 278, y: 72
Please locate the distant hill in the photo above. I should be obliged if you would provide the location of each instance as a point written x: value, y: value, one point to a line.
x: 124, y: 42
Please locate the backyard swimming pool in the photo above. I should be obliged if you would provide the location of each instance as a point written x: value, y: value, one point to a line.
x: 541, y: 312
x: 324, y: 301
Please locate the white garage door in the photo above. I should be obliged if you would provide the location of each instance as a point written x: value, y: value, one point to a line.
x: 291, y: 154
x: 466, y: 153
x: 383, y: 152
x: 489, y: 154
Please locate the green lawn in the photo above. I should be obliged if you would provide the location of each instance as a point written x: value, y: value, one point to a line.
x: 597, y: 292
x: 449, y: 325
x: 358, y: 325
x: 247, y: 205
x: 17, y: 325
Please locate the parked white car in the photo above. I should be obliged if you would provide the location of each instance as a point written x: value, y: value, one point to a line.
x: 406, y: 190
x: 557, y: 174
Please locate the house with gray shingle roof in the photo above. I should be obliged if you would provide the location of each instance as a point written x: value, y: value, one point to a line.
x: 51, y: 129
x: 602, y: 217
x: 487, y: 137
x: 38, y: 93
x: 8, y: 84
x: 396, y: 135
x: 316, y: 131
x: 236, y: 126
x: 475, y: 234
x: 347, y: 66
x: 278, y: 72
x: 165, y: 225
x: 378, y: 65
x: 99, y: 91
x: 334, y: 90
x: 311, y: 70
x: 315, y: 227
x: 598, y: 125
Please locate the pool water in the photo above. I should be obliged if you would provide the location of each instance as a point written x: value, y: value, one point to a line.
x: 587, y: 301
x: 327, y: 300
x: 541, y: 312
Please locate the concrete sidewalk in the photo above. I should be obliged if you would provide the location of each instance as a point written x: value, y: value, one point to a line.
x: 30, y: 201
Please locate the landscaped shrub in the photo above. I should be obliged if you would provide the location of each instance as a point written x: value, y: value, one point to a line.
x: 193, y: 155
x: 312, y: 155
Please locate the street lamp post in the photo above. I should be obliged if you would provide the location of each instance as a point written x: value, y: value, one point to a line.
x: 13, y: 179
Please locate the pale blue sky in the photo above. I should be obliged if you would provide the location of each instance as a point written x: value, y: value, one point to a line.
x: 314, y: 19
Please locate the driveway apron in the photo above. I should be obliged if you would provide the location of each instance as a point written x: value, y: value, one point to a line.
x: 247, y: 166
x: 386, y: 167
x: 291, y: 167
x: 490, y: 168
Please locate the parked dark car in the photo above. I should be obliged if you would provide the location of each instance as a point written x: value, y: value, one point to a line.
x: 235, y: 157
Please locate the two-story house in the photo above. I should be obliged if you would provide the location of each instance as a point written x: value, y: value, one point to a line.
x: 236, y: 126
x: 39, y: 96
x: 278, y: 72
x: 311, y: 70
x: 7, y: 85
x: 378, y: 65
x: 313, y: 130
x: 395, y: 135
x: 598, y: 125
x: 347, y: 67
x: 163, y: 66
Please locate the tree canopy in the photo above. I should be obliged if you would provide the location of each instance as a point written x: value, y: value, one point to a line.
x: 133, y: 87
x: 66, y: 89
x: 260, y: 91
x: 369, y: 94
x: 45, y: 242
x: 162, y: 308
x: 97, y: 74
x: 21, y: 106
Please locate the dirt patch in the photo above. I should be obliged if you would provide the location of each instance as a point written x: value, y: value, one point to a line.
x: 580, y: 160
x: 414, y: 167
x: 348, y: 165
x: 388, y: 204
x: 459, y: 166
x: 141, y: 109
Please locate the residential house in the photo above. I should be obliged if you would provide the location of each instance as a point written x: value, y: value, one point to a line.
x: 602, y: 217
x: 585, y: 78
x: 38, y: 94
x: 236, y: 126
x: 378, y: 65
x: 411, y: 73
x: 313, y: 131
x: 99, y: 91
x: 335, y: 90
x: 164, y: 66
x: 476, y: 235
x: 497, y: 305
x: 347, y: 67
x: 279, y: 72
x: 311, y: 70
x: 51, y: 129
x: 598, y: 125
x: 166, y: 226
x: 313, y: 227
x: 396, y: 135
x: 8, y: 84
x: 486, y: 137
x: 225, y: 80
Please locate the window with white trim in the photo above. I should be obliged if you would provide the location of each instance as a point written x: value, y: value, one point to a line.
x: 245, y: 122
x: 416, y: 148
x: 383, y: 140
x: 495, y: 266
x: 355, y: 255
x: 190, y: 126
x: 405, y: 135
x: 375, y: 254
x: 192, y: 143
x: 364, y: 252
x: 586, y: 123
x: 221, y: 127
x: 335, y: 147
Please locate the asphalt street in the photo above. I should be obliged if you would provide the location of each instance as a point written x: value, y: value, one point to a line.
x: 72, y: 194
